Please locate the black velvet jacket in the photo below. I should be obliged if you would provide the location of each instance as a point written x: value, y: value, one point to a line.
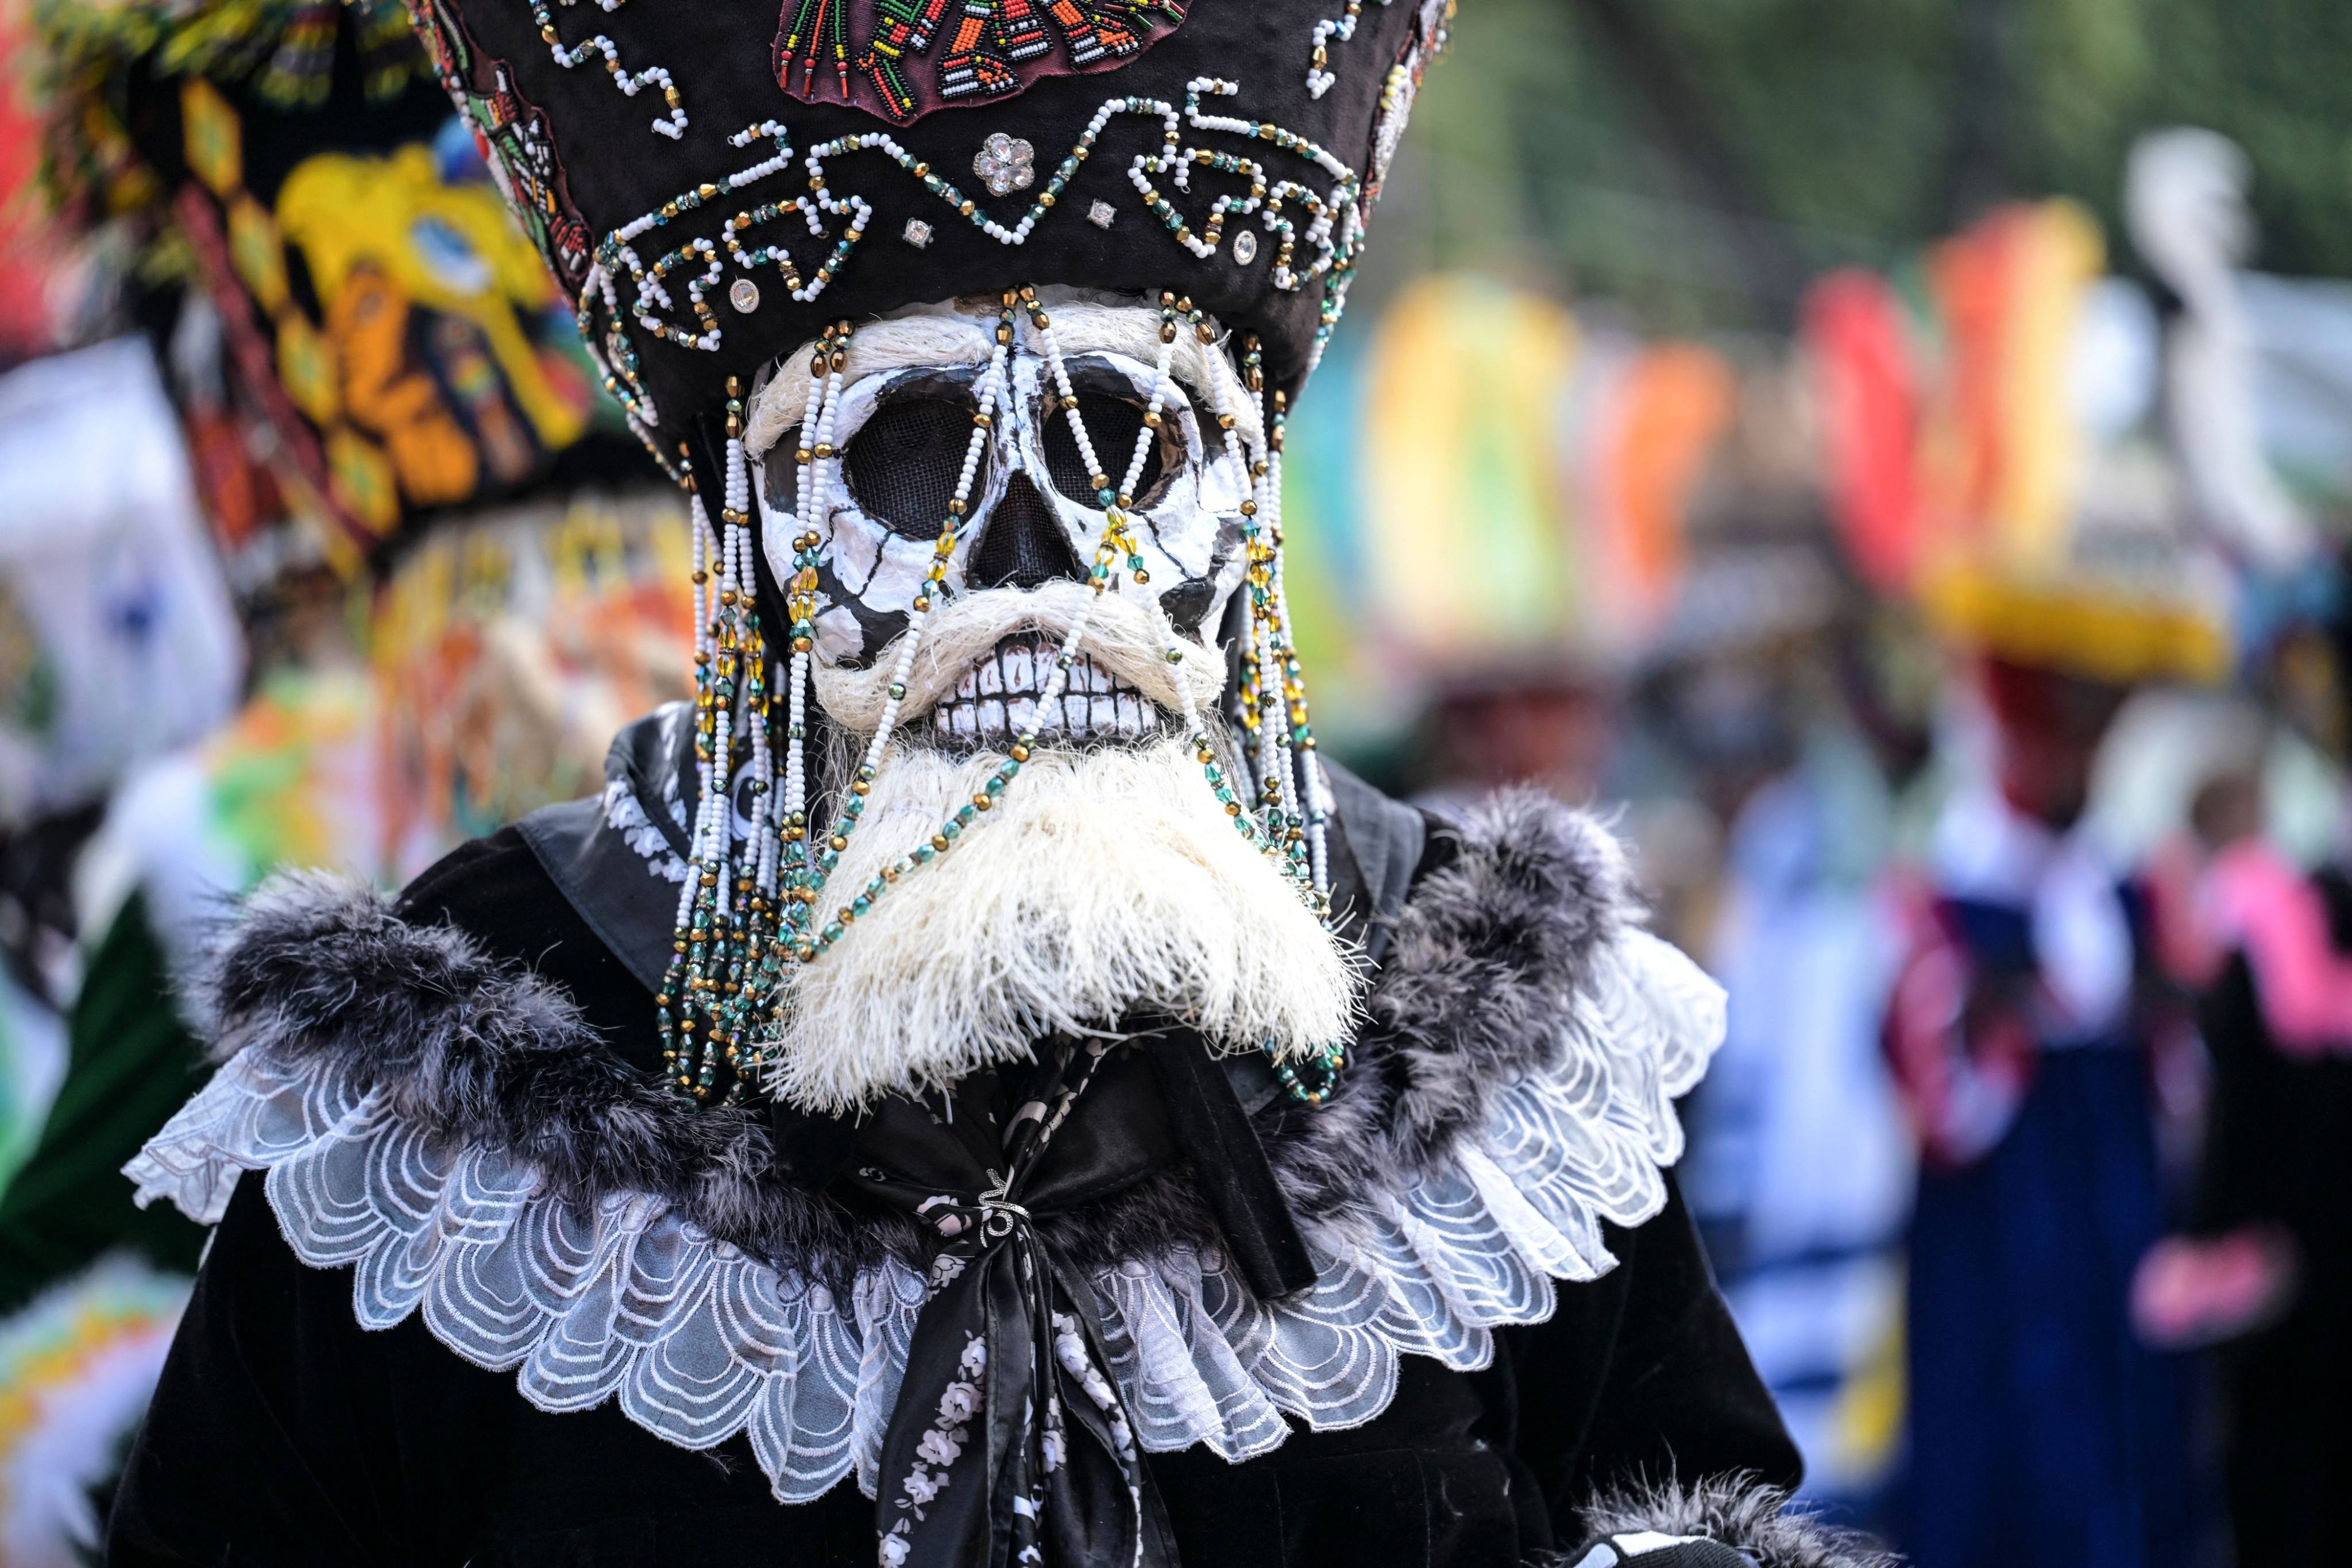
x: 283, y: 1433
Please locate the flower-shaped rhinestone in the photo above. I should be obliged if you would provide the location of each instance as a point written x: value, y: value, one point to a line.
x: 1006, y: 164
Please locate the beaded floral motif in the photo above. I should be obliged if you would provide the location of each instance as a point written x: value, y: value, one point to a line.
x: 865, y: 52
x: 1005, y: 163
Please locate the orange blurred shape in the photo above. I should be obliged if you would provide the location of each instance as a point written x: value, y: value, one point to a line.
x: 1676, y: 401
x: 1867, y: 385
x: 2002, y: 444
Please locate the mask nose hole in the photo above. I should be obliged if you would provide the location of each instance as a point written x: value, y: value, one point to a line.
x: 1023, y: 545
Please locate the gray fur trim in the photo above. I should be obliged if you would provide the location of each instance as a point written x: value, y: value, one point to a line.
x: 1738, y: 1512
x: 1486, y: 956
x: 486, y: 1053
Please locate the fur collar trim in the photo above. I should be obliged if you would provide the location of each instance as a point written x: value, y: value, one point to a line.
x: 1758, y: 1521
x: 1512, y: 1092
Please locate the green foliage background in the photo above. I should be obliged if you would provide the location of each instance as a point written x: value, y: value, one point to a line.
x: 1700, y: 159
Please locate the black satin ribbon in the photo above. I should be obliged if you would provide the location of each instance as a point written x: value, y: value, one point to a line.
x: 1206, y: 1116
x: 1009, y: 1444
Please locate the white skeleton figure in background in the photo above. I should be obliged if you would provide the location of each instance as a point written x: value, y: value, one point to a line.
x: 1108, y: 882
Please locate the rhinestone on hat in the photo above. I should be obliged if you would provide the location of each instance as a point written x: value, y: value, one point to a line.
x: 917, y: 233
x: 1007, y: 163
x: 1245, y: 247
x: 744, y: 295
x: 1101, y: 214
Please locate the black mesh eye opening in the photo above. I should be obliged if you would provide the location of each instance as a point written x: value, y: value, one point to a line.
x: 780, y: 473
x: 1112, y: 424
x: 903, y: 463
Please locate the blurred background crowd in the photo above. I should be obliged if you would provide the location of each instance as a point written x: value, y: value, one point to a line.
x: 1895, y: 458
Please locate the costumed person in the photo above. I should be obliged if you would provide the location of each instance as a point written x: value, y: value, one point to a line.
x: 2023, y: 1032
x: 974, y: 1086
x: 392, y: 432
x: 2259, y: 1272
x: 2035, y: 1030
x: 2263, y: 1273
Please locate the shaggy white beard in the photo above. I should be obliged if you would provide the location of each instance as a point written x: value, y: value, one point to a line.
x: 1105, y: 885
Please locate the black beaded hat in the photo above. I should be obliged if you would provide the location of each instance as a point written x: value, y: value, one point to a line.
x: 715, y: 181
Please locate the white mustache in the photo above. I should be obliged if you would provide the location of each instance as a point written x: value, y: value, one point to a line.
x: 1126, y: 638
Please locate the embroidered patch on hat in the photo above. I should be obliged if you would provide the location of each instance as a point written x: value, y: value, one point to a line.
x: 903, y: 59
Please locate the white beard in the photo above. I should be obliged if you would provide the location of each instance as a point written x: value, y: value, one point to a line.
x: 1105, y: 885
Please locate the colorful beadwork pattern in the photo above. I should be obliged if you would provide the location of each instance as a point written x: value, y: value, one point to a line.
x: 514, y: 140
x: 903, y: 59
x: 1315, y: 233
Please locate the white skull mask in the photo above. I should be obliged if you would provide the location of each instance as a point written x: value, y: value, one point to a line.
x: 903, y: 431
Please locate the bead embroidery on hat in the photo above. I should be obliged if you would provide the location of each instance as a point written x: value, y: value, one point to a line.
x: 1333, y: 231
x: 672, y: 124
x: 988, y: 50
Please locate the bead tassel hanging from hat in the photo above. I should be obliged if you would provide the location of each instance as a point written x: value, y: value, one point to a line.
x: 1271, y: 713
x: 749, y: 911
x: 724, y: 908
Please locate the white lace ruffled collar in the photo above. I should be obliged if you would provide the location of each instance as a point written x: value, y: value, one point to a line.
x: 630, y: 1300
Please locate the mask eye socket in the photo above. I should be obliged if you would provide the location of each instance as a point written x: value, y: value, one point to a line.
x: 1112, y: 424
x: 780, y: 473
x: 902, y: 465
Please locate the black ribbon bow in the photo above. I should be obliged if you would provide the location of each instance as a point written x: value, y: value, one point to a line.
x: 1009, y: 1444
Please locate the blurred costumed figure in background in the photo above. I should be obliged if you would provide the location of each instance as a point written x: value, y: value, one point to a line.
x: 2001, y: 464
x: 2262, y: 1271
x: 432, y: 522
x: 118, y: 642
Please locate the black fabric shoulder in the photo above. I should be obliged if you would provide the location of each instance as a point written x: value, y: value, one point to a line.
x: 1641, y: 1374
x: 496, y: 891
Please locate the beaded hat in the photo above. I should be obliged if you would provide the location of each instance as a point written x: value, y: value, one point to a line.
x: 715, y: 183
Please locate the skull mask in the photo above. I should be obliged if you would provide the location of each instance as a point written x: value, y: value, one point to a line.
x: 906, y: 407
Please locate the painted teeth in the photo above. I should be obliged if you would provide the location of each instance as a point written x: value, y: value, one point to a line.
x: 992, y: 701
